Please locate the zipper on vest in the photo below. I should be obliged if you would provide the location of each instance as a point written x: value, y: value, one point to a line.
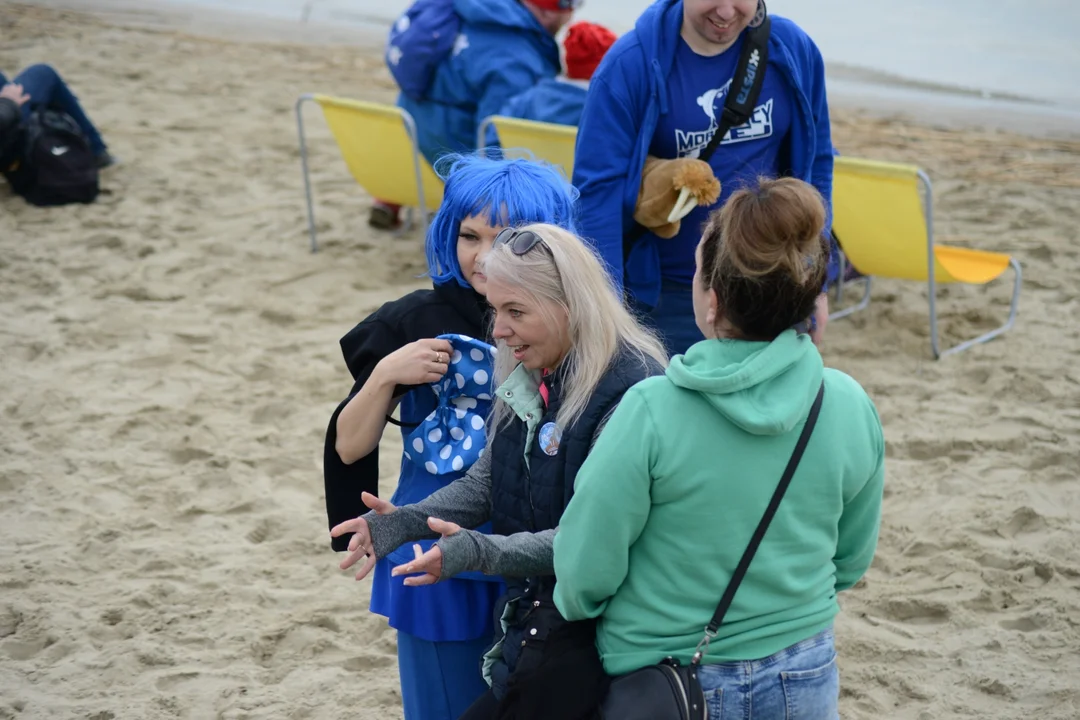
x: 529, y: 489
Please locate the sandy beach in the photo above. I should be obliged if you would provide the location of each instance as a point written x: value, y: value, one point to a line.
x: 170, y: 359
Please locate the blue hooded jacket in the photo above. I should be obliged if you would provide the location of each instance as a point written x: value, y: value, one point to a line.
x: 628, y: 94
x: 501, y: 51
x: 552, y: 100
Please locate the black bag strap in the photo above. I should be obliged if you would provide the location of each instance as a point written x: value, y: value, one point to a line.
x: 739, y: 105
x: 759, y: 533
x: 745, y: 87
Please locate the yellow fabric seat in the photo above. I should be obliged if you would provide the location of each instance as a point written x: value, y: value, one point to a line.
x: 883, y: 220
x: 544, y: 141
x: 378, y: 144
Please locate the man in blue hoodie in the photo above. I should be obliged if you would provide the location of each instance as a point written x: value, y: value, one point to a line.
x: 561, y: 100
x: 503, y: 47
x: 660, y: 91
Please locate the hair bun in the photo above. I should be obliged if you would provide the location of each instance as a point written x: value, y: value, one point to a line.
x: 774, y: 228
x: 764, y: 255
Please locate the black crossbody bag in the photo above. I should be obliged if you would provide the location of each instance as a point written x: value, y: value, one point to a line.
x: 669, y: 690
x: 739, y: 105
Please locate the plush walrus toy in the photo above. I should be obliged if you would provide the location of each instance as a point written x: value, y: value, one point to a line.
x: 670, y: 189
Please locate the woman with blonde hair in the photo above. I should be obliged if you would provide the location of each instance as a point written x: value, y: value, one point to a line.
x: 740, y: 492
x: 567, y: 352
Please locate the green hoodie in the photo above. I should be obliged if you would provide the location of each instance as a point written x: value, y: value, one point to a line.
x: 667, y: 500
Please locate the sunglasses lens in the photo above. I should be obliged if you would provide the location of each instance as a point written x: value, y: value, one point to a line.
x: 520, y: 241
x: 525, y: 242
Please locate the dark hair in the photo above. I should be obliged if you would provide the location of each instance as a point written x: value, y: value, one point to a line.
x: 765, y: 255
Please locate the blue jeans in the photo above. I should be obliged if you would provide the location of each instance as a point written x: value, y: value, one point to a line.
x: 673, y: 317
x: 46, y: 88
x: 798, y: 683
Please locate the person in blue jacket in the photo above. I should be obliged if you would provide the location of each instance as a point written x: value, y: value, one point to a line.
x: 502, y: 48
x: 660, y: 91
x: 561, y: 99
x: 424, y: 355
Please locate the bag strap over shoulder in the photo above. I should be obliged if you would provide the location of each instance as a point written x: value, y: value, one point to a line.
x: 739, y: 105
x: 759, y: 533
x: 745, y: 87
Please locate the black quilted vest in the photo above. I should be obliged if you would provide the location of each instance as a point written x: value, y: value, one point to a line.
x: 531, y: 498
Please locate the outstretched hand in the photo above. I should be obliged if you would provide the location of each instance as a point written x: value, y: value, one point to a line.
x: 360, y: 545
x: 427, y: 564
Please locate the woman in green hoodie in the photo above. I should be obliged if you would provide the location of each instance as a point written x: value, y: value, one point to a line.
x: 668, y: 499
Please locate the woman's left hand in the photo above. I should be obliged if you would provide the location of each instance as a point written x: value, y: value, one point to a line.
x: 427, y: 564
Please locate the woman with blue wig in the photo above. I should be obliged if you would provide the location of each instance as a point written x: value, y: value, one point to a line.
x: 421, y: 354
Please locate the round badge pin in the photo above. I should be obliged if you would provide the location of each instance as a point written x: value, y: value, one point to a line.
x: 550, y: 434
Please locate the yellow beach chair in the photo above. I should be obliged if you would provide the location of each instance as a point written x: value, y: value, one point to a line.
x: 883, y: 218
x: 546, y: 141
x: 378, y: 144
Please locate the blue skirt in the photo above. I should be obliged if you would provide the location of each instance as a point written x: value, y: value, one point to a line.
x: 453, y: 610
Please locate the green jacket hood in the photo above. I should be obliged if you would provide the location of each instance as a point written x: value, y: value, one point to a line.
x: 765, y: 388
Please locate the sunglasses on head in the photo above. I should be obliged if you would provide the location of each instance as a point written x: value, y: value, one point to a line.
x: 520, y: 241
x: 570, y: 4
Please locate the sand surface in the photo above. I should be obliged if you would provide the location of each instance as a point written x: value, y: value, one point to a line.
x: 169, y: 361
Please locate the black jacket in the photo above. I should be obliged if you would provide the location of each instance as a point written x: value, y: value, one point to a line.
x: 10, y: 133
x: 445, y: 309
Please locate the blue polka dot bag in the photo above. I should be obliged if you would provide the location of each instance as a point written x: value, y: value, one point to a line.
x: 452, y: 438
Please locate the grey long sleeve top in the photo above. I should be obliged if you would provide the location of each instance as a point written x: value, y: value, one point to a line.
x: 467, y: 502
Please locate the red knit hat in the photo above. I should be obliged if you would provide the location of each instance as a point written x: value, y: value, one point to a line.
x: 557, y: 5
x: 585, y: 45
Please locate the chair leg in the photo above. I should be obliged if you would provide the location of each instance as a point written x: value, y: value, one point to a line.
x: 862, y: 304
x: 1013, y: 307
x: 840, y: 277
x: 405, y: 227
x: 425, y: 221
x: 304, y: 169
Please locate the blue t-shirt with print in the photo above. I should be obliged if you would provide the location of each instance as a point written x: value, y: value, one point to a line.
x: 699, y: 87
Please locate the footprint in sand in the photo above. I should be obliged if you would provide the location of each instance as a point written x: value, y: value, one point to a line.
x: 1055, y: 459
x: 263, y: 531
x: 170, y: 682
x: 915, y: 611
x: 1025, y: 624
x: 280, y: 319
x: 1024, y: 520
x: 367, y: 663
x: 183, y: 456
x: 21, y: 650
x: 10, y: 619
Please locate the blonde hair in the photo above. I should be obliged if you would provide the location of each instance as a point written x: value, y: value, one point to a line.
x: 765, y: 255
x: 565, y: 272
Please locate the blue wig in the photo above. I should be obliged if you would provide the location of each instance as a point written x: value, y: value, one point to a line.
x: 511, y: 192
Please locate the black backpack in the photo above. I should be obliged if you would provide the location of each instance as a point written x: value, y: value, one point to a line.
x: 57, y: 166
